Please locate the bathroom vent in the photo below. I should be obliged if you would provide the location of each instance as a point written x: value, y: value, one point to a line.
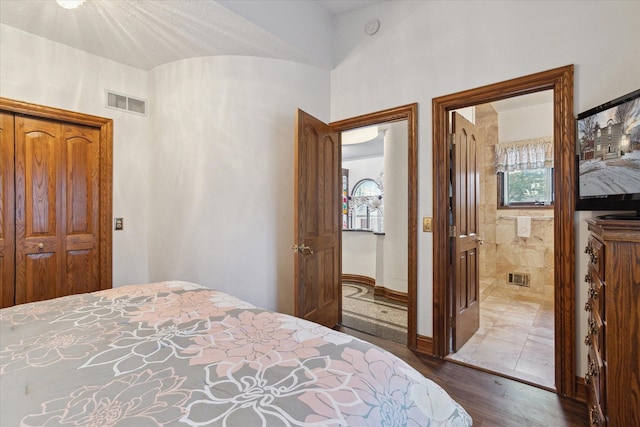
x: 126, y: 103
x: 518, y: 279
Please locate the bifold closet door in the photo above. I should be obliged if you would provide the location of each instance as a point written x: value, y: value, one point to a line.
x: 7, y: 224
x: 56, y: 209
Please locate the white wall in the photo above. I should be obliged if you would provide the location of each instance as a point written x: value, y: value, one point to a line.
x: 222, y: 153
x: 360, y: 254
x: 363, y: 168
x: 36, y: 70
x: 426, y: 49
x: 518, y: 124
x: 396, y: 189
x: 205, y: 182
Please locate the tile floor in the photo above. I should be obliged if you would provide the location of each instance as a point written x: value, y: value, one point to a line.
x: 373, y: 315
x: 515, y: 336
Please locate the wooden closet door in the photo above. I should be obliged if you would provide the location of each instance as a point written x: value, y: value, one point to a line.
x: 7, y: 224
x: 57, y: 205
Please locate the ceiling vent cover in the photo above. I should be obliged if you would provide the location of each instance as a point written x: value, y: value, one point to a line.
x: 126, y: 103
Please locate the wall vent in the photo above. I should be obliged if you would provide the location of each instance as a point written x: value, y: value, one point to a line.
x: 518, y: 279
x: 126, y: 103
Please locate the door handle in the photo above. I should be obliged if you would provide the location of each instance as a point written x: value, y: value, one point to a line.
x: 302, y: 248
x: 480, y: 240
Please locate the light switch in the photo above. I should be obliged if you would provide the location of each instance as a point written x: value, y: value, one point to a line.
x: 118, y: 224
x: 426, y: 224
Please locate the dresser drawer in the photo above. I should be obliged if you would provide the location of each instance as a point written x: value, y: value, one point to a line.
x: 596, y: 333
x: 596, y: 291
x: 595, y: 377
x: 595, y: 251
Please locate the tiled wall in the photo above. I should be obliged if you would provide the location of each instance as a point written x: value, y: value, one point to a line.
x: 503, y: 251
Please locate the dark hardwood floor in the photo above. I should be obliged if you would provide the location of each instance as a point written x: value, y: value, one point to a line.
x: 491, y: 400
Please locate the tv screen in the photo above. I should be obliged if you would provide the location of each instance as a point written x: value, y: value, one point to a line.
x: 608, y: 145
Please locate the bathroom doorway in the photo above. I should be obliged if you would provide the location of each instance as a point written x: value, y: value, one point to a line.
x: 560, y: 81
x: 514, y: 334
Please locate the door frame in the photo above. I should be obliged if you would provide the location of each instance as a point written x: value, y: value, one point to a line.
x: 560, y: 80
x: 105, y: 127
x: 410, y: 114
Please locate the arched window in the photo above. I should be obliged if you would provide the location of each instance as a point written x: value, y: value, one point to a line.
x: 367, y: 206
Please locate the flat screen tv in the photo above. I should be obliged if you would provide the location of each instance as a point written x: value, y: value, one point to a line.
x: 608, y: 158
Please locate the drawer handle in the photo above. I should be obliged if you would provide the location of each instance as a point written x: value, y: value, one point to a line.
x: 593, y: 328
x: 587, y: 306
x: 587, y: 278
x: 593, y: 371
x: 593, y: 293
x: 587, y: 379
x: 593, y: 415
x: 587, y: 340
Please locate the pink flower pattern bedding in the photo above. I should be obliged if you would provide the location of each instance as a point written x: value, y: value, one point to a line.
x: 175, y: 353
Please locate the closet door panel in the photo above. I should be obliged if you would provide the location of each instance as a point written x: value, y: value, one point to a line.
x: 40, y: 273
x: 82, y: 185
x: 7, y: 224
x: 39, y: 211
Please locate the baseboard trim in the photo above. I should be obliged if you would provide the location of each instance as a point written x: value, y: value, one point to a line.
x: 424, y: 345
x: 381, y: 291
x: 581, y: 390
x: 359, y: 279
x: 378, y: 290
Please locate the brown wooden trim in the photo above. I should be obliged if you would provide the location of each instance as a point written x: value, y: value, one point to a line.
x: 20, y: 107
x: 410, y: 114
x: 105, y: 126
x: 582, y: 390
x: 357, y: 278
x: 560, y: 80
x: 425, y: 345
x: 378, y: 290
x: 381, y: 291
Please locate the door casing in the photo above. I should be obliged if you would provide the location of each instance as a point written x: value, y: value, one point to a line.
x: 560, y: 80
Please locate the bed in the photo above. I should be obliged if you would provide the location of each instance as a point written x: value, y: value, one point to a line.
x: 176, y: 353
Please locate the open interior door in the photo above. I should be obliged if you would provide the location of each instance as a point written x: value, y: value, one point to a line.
x: 465, y: 290
x: 317, y: 210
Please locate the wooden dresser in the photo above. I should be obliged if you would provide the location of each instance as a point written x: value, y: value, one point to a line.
x: 613, y: 361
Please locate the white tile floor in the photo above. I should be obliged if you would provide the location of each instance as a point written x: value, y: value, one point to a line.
x: 515, y: 336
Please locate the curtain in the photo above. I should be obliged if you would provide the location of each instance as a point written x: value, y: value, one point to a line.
x: 526, y: 154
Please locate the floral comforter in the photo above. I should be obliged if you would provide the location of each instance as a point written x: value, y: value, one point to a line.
x: 175, y: 353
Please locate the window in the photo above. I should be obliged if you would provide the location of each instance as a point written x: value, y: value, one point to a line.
x: 366, y: 206
x: 530, y: 187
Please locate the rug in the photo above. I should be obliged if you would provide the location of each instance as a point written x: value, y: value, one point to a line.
x: 377, y: 316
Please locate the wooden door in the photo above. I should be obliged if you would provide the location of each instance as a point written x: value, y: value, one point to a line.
x: 465, y: 201
x: 7, y: 225
x: 317, y: 211
x: 57, y: 209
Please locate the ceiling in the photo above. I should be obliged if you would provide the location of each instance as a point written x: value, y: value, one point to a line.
x: 148, y: 33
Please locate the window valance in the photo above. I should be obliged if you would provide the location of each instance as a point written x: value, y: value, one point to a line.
x: 532, y: 153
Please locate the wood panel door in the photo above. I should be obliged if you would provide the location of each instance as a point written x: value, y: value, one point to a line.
x: 7, y: 225
x: 57, y: 209
x: 465, y: 207
x: 317, y: 212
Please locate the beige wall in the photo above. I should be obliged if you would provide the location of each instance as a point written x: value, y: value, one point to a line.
x: 503, y: 251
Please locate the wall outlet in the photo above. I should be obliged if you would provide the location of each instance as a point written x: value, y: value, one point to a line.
x: 118, y: 224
